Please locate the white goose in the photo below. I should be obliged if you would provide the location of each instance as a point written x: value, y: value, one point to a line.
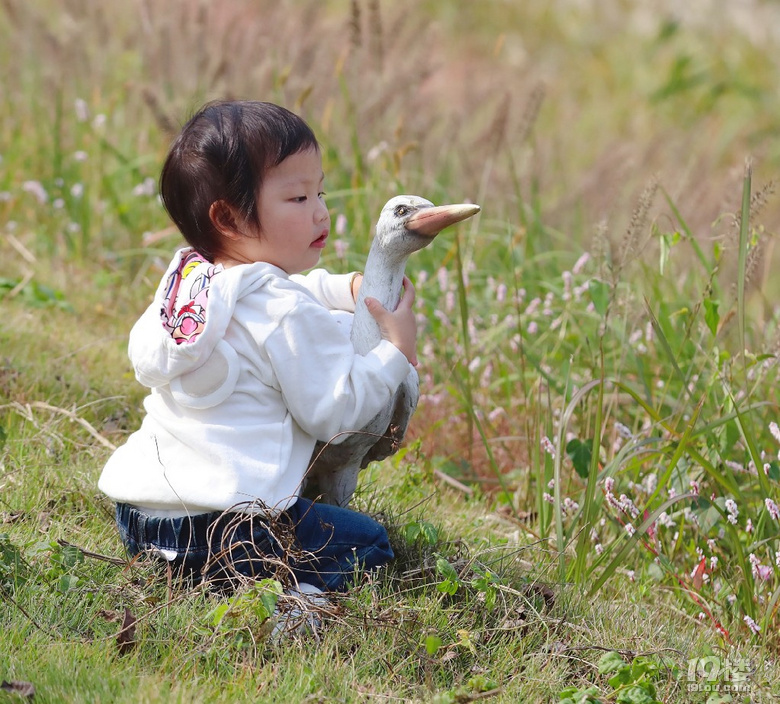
x: 406, y: 224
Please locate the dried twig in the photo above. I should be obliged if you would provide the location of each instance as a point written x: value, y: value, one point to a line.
x: 93, y: 555
x: 24, y: 410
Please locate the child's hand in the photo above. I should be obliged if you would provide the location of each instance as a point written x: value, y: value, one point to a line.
x: 357, y: 280
x: 398, y: 326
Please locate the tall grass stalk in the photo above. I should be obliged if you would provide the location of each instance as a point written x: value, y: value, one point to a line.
x: 744, y: 232
x: 590, y: 505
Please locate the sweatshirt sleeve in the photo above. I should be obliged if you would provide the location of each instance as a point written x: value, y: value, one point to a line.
x: 327, y: 387
x: 334, y: 291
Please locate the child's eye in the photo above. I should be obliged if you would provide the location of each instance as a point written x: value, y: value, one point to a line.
x: 322, y: 194
x: 299, y: 199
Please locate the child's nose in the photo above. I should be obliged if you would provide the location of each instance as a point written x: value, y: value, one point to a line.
x: 321, y: 214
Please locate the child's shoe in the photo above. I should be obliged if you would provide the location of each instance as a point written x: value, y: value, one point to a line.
x: 301, y: 612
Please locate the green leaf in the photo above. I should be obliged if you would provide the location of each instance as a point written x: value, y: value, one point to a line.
x: 654, y: 572
x: 642, y: 666
x: 67, y: 582
x: 707, y: 513
x: 269, y: 596
x: 580, y: 454
x: 451, y: 581
x: 481, y: 683
x: 71, y: 556
x: 447, y: 587
x: 711, y: 315
x: 421, y: 530
x: 218, y: 613
x: 432, y: 644
x: 637, y: 694
x: 12, y: 567
x: 573, y: 695
x: 599, y: 294
x: 430, y: 532
x: 667, y: 241
x: 621, y: 678
x: 412, y: 531
x: 718, y: 698
x: 446, y: 570
x: 611, y: 662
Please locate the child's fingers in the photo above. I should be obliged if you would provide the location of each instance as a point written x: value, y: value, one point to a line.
x: 375, y: 308
x: 380, y: 314
x: 409, y: 294
x: 398, y: 327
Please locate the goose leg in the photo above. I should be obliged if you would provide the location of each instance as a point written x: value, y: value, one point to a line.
x: 337, y: 486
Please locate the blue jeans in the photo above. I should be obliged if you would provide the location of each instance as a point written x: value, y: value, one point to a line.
x: 315, y: 543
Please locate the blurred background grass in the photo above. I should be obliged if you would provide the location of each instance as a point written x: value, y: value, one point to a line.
x: 564, y: 108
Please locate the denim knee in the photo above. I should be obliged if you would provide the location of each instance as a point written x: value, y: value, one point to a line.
x: 217, y: 547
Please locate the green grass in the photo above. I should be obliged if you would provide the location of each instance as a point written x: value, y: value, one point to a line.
x: 598, y: 347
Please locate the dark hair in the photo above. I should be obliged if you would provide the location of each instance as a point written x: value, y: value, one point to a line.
x: 223, y: 153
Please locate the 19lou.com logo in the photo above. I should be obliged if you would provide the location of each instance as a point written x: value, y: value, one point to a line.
x: 719, y: 674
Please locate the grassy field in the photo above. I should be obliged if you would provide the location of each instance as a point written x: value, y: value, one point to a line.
x: 586, y: 509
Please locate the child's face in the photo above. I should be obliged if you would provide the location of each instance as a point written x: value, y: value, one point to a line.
x: 294, y: 220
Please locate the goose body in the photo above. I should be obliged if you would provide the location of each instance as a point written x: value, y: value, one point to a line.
x: 406, y: 225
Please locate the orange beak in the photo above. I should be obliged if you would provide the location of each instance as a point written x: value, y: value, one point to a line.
x: 431, y: 221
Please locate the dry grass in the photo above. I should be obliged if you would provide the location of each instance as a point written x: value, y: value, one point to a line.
x: 486, y: 96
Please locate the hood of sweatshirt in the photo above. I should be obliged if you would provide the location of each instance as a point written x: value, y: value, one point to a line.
x: 179, y: 341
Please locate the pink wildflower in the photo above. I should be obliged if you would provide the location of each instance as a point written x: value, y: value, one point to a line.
x: 755, y: 563
x: 81, y: 109
x: 341, y: 224
x: 495, y: 414
x: 36, y: 189
x: 751, y: 624
x: 449, y: 300
x: 567, y: 279
x: 532, y: 306
x: 628, y: 506
x: 733, y: 511
x: 442, y: 275
x: 579, y: 265
x: 570, y: 506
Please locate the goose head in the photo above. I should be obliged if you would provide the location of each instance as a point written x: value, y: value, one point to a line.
x: 409, y: 223
x: 406, y: 224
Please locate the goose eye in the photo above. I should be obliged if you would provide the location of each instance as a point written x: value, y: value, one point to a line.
x: 401, y: 210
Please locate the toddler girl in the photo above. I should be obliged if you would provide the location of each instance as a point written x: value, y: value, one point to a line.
x: 247, y: 368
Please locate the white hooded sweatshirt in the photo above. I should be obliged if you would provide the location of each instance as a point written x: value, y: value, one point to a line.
x: 247, y: 368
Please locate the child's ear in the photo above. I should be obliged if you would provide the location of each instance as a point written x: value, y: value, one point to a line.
x: 224, y: 219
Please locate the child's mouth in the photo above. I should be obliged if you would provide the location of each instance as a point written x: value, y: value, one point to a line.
x: 319, y: 243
